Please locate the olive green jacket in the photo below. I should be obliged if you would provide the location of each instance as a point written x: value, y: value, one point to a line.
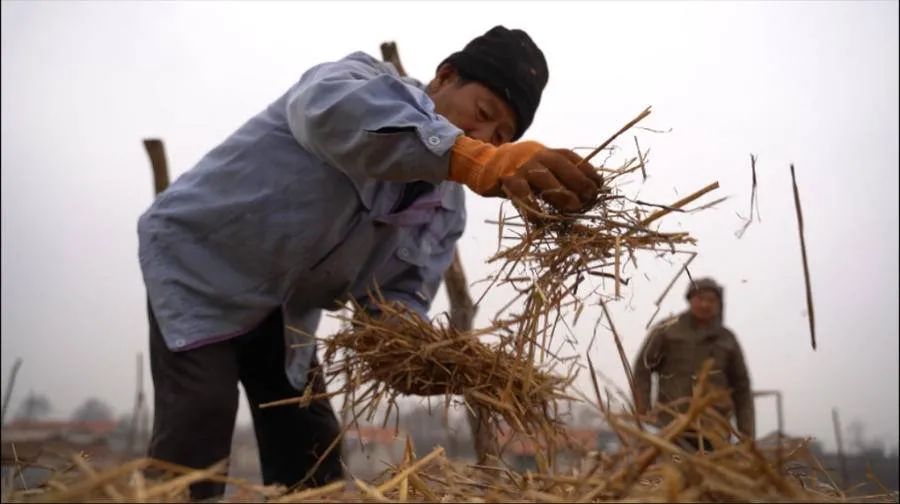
x: 676, y: 349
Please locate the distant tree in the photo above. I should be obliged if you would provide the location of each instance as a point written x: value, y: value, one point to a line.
x: 34, y: 407
x: 93, y: 410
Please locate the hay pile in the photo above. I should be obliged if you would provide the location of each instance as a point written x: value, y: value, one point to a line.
x: 550, y: 253
x: 648, y: 467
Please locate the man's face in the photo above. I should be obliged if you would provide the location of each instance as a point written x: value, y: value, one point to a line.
x: 705, y: 305
x: 472, y: 107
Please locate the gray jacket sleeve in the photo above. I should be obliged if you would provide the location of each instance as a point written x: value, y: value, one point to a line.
x: 358, y: 116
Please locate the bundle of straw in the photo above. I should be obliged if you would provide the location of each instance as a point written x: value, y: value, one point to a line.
x: 397, y: 352
x: 550, y: 253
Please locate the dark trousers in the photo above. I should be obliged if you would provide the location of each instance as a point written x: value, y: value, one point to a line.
x: 196, y: 402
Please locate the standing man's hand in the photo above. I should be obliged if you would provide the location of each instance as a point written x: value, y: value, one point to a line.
x: 523, y: 171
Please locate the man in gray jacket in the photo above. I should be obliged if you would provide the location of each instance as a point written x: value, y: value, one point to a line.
x: 353, y: 178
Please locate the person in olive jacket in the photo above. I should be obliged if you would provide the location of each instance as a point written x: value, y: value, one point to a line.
x: 677, y: 347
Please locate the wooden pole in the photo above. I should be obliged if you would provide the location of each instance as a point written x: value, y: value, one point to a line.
x: 462, y: 310
x: 136, y: 415
x: 462, y: 316
x: 157, y: 153
x: 836, y: 421
x: 9, y: 388
x: 809, y: 302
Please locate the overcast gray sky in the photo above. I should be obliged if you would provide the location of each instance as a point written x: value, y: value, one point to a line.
x: 813, y: 83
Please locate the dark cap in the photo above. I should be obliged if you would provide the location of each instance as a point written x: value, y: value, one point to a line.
x: 508, y: 63
x: 703, y: 284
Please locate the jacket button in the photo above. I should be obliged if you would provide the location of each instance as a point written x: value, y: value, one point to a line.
x: 403, y: 253
x: 433, y: 140
x: 180, y: 343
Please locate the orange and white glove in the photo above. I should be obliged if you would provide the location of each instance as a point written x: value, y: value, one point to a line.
x: 522, y: 170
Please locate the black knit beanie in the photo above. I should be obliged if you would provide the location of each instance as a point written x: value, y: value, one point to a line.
x: 510, y: 64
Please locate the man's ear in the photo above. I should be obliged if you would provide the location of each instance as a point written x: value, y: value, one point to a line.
x: 446, y: 75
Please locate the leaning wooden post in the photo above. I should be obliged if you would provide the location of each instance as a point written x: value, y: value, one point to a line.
x: 135, y: 433
x: 157, y: 154
x: 462, y: 316
x: 9, y: 388
x: 462, y: 310
x: 836, y: 421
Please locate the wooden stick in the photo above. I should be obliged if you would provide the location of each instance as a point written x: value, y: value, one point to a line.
x: 73, y: 493
x: 609, y: 140
x: 157, y: 153
x: 836, y: 421
x: 303, y: 400
x: 746, y: 225
x: 138, y: 405
x: 462, y: 309
x: 89, y: 471
x: 408, y: 455
x: 181, y: 469
x: 617, y: 263
x: 186, y: 480
x: 19, y: 472
x: 779, y: 454
x: 391, y: 54
x: 9, y: 388
x: 678, y: 204
x: 371, y: 492
x: 641, y: 159
x: 809, y: 303
x: 681, y: 270
x: 628, y: 373
x: 402, y: 475
x: 312, y: 493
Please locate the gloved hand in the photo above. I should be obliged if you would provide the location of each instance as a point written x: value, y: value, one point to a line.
x: 522, y: 170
